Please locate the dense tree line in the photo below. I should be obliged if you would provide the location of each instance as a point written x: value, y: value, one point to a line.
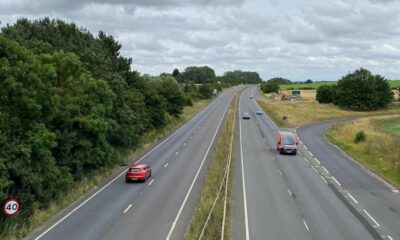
x: 359, y: 90
x: 241, y: 77
x: 279, y: 81
x: 268, y: 87
x: 69, y: 105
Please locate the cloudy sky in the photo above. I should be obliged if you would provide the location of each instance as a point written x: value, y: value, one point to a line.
x: 295, y: 39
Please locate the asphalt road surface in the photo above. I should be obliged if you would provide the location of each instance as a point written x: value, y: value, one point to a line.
x: 282, y: 196
x: 161, y: 207
x: 380, y: 200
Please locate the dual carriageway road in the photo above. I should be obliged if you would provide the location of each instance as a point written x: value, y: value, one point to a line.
x: 275, y: 196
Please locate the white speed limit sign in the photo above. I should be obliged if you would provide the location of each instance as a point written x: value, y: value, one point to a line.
x: 11, y: 207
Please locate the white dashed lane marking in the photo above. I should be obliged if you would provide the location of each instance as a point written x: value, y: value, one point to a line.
x: 127, y: 209
x: 369, y: 215
x: 305, y: 224
x: 336, y: 181
x: 352, y: 198
x: 324, y: 179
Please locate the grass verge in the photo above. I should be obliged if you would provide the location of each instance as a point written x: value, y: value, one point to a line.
x: 379, y: 152
x: 211, y: 187
x: 309, y: 110
x: 150, y: 138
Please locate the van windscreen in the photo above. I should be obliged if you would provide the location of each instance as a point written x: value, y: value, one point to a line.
x: 288, y: 140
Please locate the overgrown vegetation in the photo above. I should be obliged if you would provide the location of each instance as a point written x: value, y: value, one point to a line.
x: 215, y: 177
x: 379, y: 152
x: 279, y: 81
x: 359, y: 91
x: 71, y: 107
x: 269, y: 87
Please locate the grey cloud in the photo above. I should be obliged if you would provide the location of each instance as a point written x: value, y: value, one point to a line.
x: 295, y: 39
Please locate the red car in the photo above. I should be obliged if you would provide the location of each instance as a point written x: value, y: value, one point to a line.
x: 138, y: 172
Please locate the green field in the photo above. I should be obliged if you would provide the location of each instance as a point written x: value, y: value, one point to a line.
x: 315, y: 85
x: 389, y: 125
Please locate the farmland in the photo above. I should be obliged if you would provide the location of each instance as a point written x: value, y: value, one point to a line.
x: 308, y: 110
x: 315, y: 85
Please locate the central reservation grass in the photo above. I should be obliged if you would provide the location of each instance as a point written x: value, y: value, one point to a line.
x: 209, y: 193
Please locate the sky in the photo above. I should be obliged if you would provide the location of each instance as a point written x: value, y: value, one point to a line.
x: 319, y: 40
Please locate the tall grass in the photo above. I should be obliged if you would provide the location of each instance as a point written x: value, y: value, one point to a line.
x: 379, y: 152
x: 215, y: 175
x: 42, y: 215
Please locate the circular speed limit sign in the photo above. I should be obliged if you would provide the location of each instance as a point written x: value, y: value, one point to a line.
x: 11, y: 207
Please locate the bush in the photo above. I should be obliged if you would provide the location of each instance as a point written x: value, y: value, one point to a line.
x: 205, y: 91
x: 360, y: 137
x: 270, y: 87
x: 326, y: 94
x: 362, y: 91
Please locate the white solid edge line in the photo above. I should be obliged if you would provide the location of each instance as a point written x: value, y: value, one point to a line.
x: 324, y: 180
x: 246, y: 220
x: 195, y: 178
x: 305, y: 224
x: 352, y: 198
x: 337, y: 182
x: 109, y: 183
x: 369, y: 215
x: 151, y: 182
x: 127, y: 209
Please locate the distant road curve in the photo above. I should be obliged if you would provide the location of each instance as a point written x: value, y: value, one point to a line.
x: 380, y: 200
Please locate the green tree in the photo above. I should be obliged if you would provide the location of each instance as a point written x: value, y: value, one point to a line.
x: 363, y: 91
x: 269, y: 87
x: 279, y: 80
x: 169, y: 89
x: 175, y: 73
x: 241, y: 77
x: 326, y: 94
x: 195, y: 74
x: 206, y: 91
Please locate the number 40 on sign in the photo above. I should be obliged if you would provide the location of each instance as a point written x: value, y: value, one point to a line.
x: 11, y: 207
